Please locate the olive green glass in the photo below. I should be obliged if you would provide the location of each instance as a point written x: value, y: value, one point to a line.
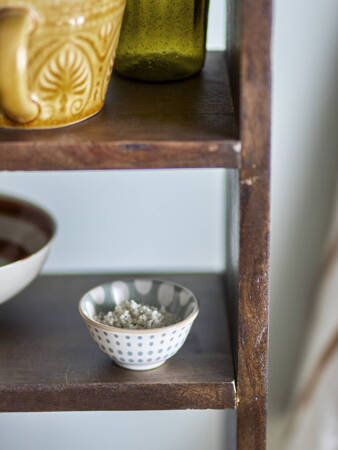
x: 162, y: 39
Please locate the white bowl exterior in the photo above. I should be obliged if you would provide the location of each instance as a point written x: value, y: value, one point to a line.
x: 16, y: 276
x: 140, y: 351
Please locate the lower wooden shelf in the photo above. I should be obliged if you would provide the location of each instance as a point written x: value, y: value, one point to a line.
x: 48, y: 361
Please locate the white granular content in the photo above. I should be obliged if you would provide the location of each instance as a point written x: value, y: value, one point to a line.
x: 133, y: 315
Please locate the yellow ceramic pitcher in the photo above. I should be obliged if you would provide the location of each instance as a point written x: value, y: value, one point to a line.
x: 56, y: 59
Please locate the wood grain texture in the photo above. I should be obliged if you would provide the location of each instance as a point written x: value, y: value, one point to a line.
x: 188, y: 123
x: 249, y: 60
x: 248, y: 300
x: 253, y: 308
x: 255, y: 83
x: 49, y: 362
x: 233, y: 49
x: 248, y: 56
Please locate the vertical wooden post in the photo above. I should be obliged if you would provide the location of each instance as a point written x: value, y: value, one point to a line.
x: 248, y: 218
x: 253, y: 301
x: 248, y: 298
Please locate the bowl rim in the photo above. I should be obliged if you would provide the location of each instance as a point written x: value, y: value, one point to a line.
x: 39, y: 209
x: 192, y: 316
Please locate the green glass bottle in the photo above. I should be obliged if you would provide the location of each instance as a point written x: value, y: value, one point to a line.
x: 162, y: 40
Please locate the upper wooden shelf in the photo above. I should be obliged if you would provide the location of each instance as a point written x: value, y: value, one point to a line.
x: 190, y: 123
x: 49, y: 362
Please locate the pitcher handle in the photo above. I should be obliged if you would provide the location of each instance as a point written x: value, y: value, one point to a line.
x: 16, y: 24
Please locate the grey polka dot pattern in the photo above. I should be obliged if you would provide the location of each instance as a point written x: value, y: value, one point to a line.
x: 149, y: 349
x: 122, y: 350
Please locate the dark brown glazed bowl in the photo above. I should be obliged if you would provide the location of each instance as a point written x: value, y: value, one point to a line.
x: 26, y: 235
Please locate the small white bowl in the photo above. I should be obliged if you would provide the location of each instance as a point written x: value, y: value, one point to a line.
x: 140, y: 349
x: 26, y: 235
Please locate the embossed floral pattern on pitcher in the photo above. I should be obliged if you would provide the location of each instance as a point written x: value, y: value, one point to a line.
x: 70, y: 50
x: 64, y: 83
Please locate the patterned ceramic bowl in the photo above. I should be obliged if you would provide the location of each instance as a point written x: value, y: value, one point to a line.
x: 147, y: 348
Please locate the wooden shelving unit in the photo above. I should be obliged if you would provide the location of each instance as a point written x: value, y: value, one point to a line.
x: 50, y: 363
x: 47, y: 359
x: 188, y: 123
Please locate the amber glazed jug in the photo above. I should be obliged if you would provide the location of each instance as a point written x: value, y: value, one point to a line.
x: 56, y: 58
x: 162, y: 39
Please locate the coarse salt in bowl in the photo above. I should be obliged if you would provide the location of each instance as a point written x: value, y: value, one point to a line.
x: 146, y: 348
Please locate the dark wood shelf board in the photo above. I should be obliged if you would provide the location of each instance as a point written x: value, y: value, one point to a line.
x: 48, y: 361
x: 189, y: 123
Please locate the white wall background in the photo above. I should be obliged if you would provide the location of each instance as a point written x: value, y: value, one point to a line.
x: 304, y: 172
x: 130, y: 220
x: 169, y: 220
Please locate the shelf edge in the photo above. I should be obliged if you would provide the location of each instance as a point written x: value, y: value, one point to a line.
x: 38, y: 155
x: 118, y: 397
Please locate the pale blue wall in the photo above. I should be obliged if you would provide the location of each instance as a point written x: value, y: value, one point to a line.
x: 130, y: 220
x: 149, y: 430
